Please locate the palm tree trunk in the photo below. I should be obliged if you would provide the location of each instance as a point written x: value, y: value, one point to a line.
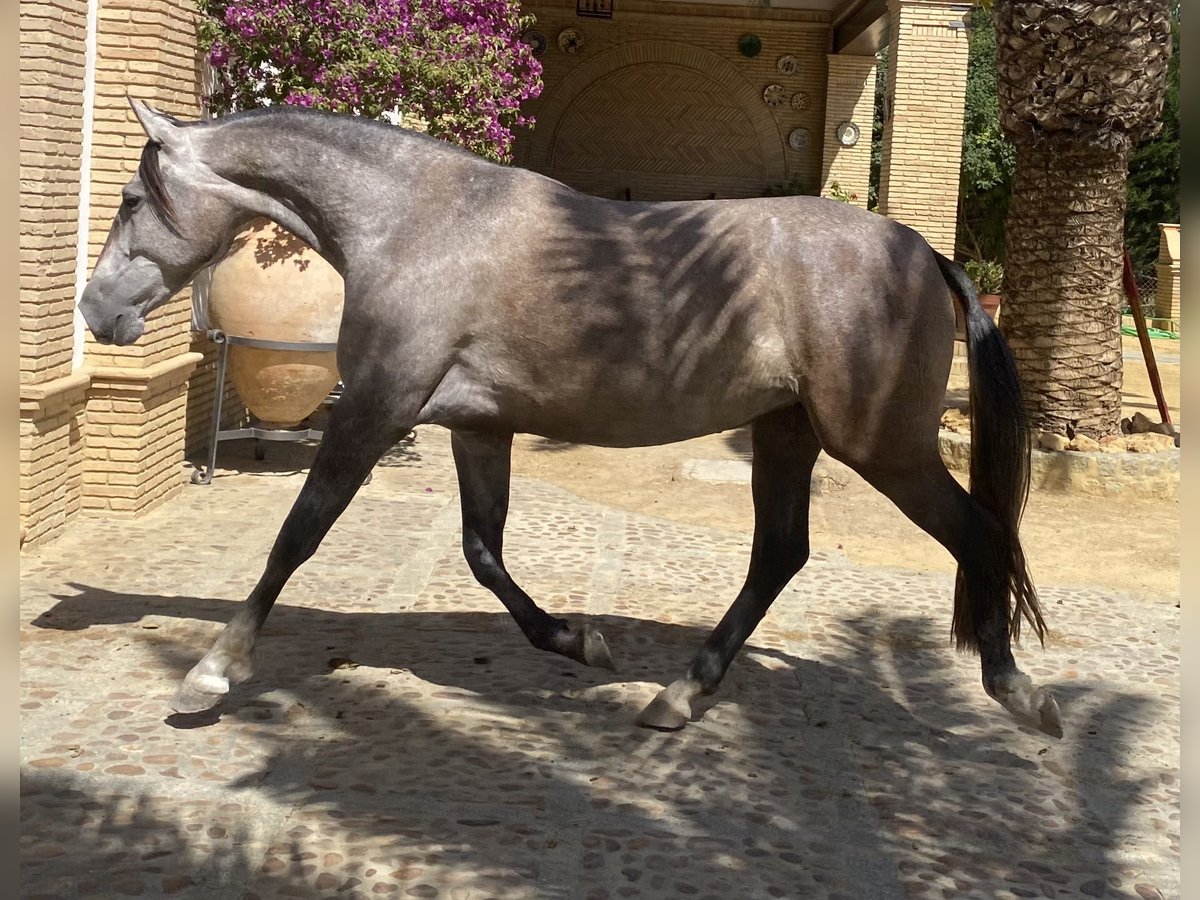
x: 1062, y: 288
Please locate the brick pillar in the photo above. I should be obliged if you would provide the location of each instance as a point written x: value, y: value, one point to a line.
x: 922, y: 139
x: 52, y: 398
x: 1166, y: 296
x: 850, y: 97
x: 135, y: 424
x: 148, y: 49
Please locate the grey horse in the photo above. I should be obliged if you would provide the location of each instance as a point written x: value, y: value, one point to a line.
x: 492, y: 300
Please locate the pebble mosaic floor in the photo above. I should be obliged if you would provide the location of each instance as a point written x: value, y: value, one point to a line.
x: 400, y: 739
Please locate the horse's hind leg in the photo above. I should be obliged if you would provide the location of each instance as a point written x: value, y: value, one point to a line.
x: 483, y: 462
x: 785, y: 449
x: 926, y: 493
x: 353, y: 442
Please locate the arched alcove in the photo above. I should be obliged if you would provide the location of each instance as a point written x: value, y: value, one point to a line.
x: 663, y: 119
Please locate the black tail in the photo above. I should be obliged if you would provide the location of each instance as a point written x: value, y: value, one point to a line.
x: 1000, y: 457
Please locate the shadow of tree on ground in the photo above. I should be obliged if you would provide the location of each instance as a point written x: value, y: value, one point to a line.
x: 444, y: 745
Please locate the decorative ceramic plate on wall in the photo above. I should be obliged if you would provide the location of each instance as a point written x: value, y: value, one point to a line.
x: 774, y: 95
x: 799, y: 139
x: 787, y: 65
x: 847, y: 134
x: 800, y: 101
x: 570, y: 40
x: 536, y: 41
x: 749, y: 45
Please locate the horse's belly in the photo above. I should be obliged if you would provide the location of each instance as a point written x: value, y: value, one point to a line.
x: 613, y: 409
x: 636, y: 425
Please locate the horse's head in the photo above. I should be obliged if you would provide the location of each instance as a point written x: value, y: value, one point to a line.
x: 170, y: 225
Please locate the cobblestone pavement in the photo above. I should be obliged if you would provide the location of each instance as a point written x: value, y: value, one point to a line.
x: 400, y: 739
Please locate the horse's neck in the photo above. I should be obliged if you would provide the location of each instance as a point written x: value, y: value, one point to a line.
x: 311, y: 174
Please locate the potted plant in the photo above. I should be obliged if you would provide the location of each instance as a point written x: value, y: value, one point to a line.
x: 458, y: 71
x: 989, y: 278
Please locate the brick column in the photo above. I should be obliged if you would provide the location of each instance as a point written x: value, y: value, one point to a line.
x: 1166, y: 297
x: 148, y: 49
x: 135, y: 423
x: 922, y: 139
x: 53, y: 37
x: 850, y: 97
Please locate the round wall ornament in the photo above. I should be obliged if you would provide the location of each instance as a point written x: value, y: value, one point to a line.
x: 847, y: 134
x: 570, y: 40
x: 787, y: 65
x: 800, y: 101
x: 774, y: 95
x: 749, y: 45
x: 799, y: 139
x: 536, y: 41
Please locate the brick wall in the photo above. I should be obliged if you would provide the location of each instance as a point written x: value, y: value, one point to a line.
x: 108, y: 435
x: 850, y: 98
x: 52, y: 71
x: 51, y: 140
x: 51, y: 455
x: 922, y: 144
x: 145, y: 48
x: 660, y: 101
x: 134, y: 438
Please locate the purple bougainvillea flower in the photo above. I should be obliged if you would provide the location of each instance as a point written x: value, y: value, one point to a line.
x: 460, y: 65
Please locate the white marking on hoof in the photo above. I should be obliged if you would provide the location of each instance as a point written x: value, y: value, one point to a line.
x: 208, y: 682
x: 1029, y: 704
x: 211, y: 684
x: 199, y: 694
x: 595, y: 649
x: 584, y: 645
x: 672, y: 708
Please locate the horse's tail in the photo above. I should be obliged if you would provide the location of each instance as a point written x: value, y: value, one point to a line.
x: 1000, y: 458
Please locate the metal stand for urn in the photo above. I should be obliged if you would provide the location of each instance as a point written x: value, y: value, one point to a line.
x: 218, y: 434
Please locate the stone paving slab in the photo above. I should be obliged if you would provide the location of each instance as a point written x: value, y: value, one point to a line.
x: 400, y: 738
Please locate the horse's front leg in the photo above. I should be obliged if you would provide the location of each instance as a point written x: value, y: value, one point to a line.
x: 358, y: 434
x: 483, y: 462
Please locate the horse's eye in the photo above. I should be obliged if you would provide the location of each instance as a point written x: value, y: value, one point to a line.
x: 131, y: 202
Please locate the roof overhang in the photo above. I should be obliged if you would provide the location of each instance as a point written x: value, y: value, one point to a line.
x: 860, y: 27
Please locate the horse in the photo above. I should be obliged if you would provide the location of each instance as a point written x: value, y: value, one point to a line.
x: 492, y: 300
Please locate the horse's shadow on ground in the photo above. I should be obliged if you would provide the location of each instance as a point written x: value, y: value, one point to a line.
x: 556, y: 739
x: 485, y: 654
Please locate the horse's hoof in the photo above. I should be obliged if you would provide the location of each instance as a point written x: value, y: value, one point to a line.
x: 670, y: 710
x: 1030, y: 705
x: 584, y: 645
x: 199, y: 693
x: 595, y: 649
x: 1049, y: 718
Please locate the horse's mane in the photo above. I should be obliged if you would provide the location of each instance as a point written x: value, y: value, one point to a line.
x: 151, y: 174
x: 150, y: 171
x: 339, y: 121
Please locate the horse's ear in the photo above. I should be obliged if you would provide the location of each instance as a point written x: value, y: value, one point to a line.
x: 158, y: 126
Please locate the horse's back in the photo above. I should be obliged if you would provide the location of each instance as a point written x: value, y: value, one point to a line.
x: 618, y: 323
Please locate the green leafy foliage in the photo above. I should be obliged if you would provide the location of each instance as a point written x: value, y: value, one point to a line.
x: 988, y: 159
x: 987, y: 275
x: 794, y: 188
x: 837, y: 192
x: 877, y: 123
